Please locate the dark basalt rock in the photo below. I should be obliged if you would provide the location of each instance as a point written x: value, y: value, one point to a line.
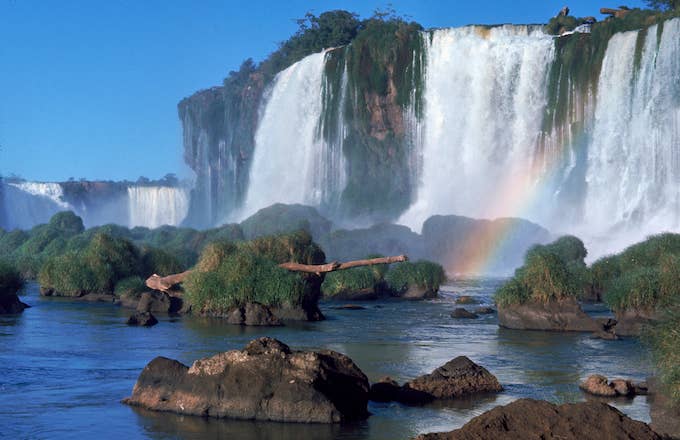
x: 461, y: 313
x: 565, y: 315
x: 264, y: 381
x: 531, y: 419
x: 142, y: 319
x: 11, y: 305
x: 457, y: 378
x: 254, y: 314
x: 158, y: 302
x: 416, y: 293
x: 484, y: 310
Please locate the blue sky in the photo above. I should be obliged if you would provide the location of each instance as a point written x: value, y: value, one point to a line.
x: 89, y: 88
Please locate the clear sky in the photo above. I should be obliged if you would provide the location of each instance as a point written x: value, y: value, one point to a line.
x: 90, y: 88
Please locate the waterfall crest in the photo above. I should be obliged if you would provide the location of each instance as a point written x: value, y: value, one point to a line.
x: 154, y: 206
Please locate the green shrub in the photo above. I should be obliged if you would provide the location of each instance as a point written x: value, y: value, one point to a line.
x: 636, y: 289
x: 159, y: 261
x: 67, y: 275
x: 550, y: 272
x: 131, y: 287
x: 425, y: 274
x: 10, y: 279
x: 243, y: 277
x: 350, y: 280
x: 664, y: 339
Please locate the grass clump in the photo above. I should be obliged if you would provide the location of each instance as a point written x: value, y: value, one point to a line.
x: 550, y: 272
x: 423, y: 274
x: 230, y: 274
x: 663, y: 337
x: 131, y: 287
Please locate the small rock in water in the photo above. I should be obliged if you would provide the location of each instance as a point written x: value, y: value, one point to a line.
x: 144, y: 319
x: 484, y: 310
x: 465, y: 299
x: 461, y: 313
x: 598, y: 385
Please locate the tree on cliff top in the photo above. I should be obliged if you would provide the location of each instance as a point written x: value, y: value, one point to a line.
x: 663, y: 4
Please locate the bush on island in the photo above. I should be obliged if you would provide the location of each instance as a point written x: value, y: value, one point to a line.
x: 231, y: 275
x: 423, y: 274
x: 664, y: 339
x: 550, y: 272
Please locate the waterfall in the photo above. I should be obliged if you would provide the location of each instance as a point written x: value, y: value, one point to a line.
x: 26, y: 204
x: 485, y: 92
x: 633, y: 177
x: 154, y: 206
x: 291, y: 162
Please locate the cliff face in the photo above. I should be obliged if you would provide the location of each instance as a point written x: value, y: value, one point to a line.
x: 219, y: 128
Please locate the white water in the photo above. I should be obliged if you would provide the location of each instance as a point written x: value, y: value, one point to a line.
x: 27, y: 204
x: 154, y: 206
x: 485, y: 91
x: 633, y: 172
x: 291, y: 160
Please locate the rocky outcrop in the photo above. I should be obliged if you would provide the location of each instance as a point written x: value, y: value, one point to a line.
x: 159, y: 302
x: 461, y: 313
x: 142, y: 319
x: 10, y: 304
x: 254, y: 314
x: 465, y: 299
x: 264, y: 381
x: 457, y: 378
x: 598, y: 385
x: 368, y: 294
x: 484, y: 310
x: 415, y: 293
x: 536, y: 419
x: 565, y: 315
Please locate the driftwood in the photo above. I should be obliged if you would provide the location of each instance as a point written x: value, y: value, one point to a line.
x: 332, y: 267
x: 618, y: 13
x: 157, y: 282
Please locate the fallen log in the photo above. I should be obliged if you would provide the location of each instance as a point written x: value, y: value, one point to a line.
x: 332, y: 267
x: 157, y: 282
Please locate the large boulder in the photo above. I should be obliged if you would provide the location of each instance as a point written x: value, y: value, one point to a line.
x: 457, y: 378
x: 461, y: 313
x: 564, y: 315
x: 158, y: 302
x: 254, y: 314
x: 10, y: 304
x: 414, y: 292
x: 631, y: 322
x: 264, y: 381
x: 531, y: 419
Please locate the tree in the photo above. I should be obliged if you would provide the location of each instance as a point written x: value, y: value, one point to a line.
x: 663, y: 4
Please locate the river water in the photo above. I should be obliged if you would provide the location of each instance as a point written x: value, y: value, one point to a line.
x: 66, y: 366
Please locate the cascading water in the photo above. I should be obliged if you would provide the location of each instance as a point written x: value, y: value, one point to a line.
x: 485, y: 91
x: 27, y: 204
x: 292, y: 162
x: 633, y: 176
x: 154, y: 206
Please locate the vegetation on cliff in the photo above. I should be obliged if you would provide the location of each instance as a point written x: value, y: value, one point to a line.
x: 550, y: 272
x: 230, y: 274
x: 664, y: 339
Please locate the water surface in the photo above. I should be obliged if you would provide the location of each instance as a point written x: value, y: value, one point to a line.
x: 67, y: 365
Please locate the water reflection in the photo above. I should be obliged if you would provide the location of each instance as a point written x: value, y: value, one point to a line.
x: 67, y: 365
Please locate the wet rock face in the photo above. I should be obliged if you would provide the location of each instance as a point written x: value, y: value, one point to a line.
x: 461, y: 313
x: 536, y: 419
x: 158, y: 302
x: 565, y: 315
x: 457, y: 378
x: 264, y: 381
x: 254, y: 314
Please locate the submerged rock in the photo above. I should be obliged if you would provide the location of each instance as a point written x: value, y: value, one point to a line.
x: 565, y: 315
x: 350, y: 307
x: 484, y: 310
x: 142, y: 319
x: 466, y: 300
x: 536, y: 419
x: 416, y: 292
x: 457, y: 378
x: 461, y: 313
x: 264, y: 381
